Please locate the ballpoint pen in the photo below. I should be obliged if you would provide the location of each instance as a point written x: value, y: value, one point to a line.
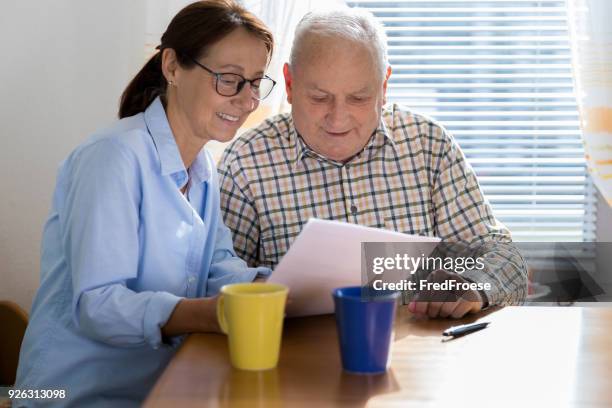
x: 458, y: 331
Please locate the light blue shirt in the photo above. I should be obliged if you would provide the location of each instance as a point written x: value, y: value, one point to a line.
x: 121, y: 247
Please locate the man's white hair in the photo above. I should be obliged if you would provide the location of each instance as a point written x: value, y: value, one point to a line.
x: 352, y: 24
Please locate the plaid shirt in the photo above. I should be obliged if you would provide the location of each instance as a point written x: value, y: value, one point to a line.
x: 410, y: 177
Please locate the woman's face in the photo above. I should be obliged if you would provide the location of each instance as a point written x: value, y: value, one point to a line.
x: 198, y: 108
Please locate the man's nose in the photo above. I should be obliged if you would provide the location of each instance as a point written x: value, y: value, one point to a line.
x: 337, y: 115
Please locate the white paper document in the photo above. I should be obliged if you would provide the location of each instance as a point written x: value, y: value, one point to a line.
x: 327, y: 255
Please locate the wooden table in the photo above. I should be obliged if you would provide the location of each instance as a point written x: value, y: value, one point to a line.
x: 527, y: 357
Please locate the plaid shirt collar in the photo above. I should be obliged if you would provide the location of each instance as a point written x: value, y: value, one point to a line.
x: 379, y: 138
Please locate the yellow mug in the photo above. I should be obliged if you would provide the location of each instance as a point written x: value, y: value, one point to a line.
x: 251, y: 314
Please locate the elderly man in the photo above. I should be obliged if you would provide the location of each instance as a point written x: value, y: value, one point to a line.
x: 341, y: 155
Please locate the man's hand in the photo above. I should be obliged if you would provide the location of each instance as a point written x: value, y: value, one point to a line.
x: 455, y: 304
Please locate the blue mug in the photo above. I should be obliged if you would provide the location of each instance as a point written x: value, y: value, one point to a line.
x: 364, y: 318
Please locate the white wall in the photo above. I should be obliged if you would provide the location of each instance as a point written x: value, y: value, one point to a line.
x: 63, y: 66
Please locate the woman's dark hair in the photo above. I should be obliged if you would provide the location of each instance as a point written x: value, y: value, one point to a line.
x: 190, y: 33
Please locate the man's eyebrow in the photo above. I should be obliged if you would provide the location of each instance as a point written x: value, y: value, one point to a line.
x: 362, y: 90
x: 314, y: 87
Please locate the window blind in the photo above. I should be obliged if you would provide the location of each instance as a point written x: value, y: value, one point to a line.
x: 497, y: 75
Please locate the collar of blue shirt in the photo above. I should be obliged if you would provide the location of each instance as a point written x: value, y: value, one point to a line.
x: 170, y: 159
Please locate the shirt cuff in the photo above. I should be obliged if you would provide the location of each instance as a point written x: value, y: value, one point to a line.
x: 158, y: 311
x: 491, y: 296
x: 244, y: 275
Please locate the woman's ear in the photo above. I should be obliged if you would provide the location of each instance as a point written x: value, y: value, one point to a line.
x: 169, y: 64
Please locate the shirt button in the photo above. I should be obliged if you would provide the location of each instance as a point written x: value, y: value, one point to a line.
x: 354, y: 209
x: 191, y: 279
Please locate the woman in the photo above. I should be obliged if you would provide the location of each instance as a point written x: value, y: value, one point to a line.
x: 135, y: 246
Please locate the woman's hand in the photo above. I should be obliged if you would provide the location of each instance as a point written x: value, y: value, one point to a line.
x: 193, y: 316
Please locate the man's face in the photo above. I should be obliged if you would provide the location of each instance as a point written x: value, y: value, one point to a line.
x: 336, y: 92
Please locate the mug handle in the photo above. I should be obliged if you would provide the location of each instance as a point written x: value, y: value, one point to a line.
x: 221, y: 314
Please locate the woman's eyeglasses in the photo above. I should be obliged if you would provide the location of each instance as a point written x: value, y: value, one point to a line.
x: 229, y: 84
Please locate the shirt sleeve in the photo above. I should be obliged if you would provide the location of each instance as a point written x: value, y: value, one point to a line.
x: 116, y: 315
x: 463, y: 215
x: 99, y: 222
x: 239, y: 213
x: 226, y: 267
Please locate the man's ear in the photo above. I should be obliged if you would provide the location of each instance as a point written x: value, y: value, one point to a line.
x: 169, y: 64
x: 288, y: 81
x: 387, y: 75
